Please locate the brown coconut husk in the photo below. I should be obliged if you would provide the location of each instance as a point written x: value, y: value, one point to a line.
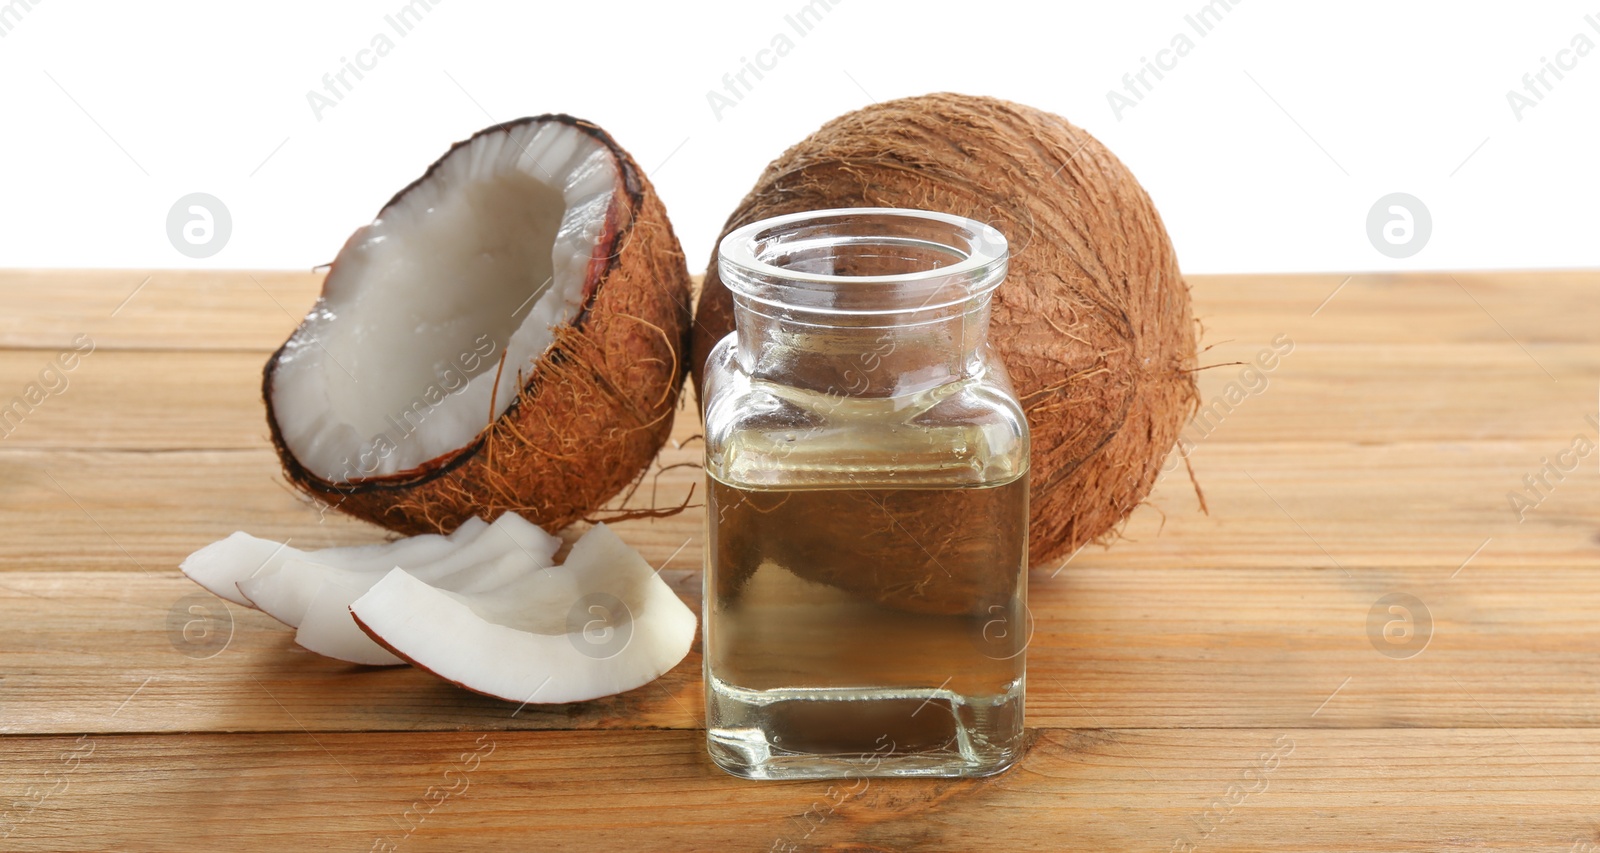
x: 593, y: 411
x: 1093, y: 322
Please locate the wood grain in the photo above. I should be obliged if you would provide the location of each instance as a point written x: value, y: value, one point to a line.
x: 256, y: 310
x: 153, y: 309
x: 1111, y: 647
x: 1378, y: 458
x: 1131, y: 789
x: 162, y: 400
x: 1304, y: 504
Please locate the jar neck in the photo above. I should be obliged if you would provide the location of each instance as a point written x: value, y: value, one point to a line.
x: 863, y: 358
x: 862, y: 302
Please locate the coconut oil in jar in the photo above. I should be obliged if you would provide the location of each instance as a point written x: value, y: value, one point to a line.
x: 865, y: 586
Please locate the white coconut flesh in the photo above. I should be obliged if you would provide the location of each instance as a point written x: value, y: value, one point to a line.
x: 496, y: 558
x: 221, y: 566
x: 601, y: 623
x: 321, y: 629
x: 325, y: 623
x: 284, y: 588
x: 396, y: 366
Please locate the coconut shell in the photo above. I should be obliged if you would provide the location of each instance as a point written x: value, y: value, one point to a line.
x: 1093, y: 322
x: 595, y: 407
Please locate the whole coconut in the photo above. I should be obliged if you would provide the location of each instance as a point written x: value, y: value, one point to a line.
x: 1093, y: 322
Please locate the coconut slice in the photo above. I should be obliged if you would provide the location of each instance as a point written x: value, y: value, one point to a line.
x: 285, y: 587
x: 326, y: 627
x: 602, y: 623
x: 322, y: 629
x: 505, y: 335
x: 221, y: 566
x: 315, y: 598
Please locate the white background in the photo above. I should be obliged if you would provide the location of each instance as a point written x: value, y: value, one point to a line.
x: 1264, y: 148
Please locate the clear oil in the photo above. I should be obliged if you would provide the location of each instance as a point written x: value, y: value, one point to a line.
x: 866, y: 630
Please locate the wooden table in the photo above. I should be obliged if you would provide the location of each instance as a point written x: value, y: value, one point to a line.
x: 1210, y: 682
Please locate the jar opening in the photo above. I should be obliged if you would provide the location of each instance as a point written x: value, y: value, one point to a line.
x: 863, y: 261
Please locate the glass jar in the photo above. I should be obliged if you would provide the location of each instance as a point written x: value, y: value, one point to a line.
x: 866, y: 461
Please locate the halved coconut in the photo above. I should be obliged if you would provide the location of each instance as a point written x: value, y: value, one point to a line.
x: 602, y: 623
x: 223, y: 565
x: 506, y: 335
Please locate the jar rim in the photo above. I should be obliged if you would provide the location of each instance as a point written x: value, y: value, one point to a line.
x: 984, y: 249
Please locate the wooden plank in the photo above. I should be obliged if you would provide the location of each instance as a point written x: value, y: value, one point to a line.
x: 1378, y: 461
x: 144, y: 512
x: 1372, y: 393
x: 1500, y: 308
x: 138, y: 400
x: 1273, y: 505
x: 153, y: 309
x: 1280, y: 789
x: 78, y: 639
x: 256, y: 310
x: 163, y: 400
x: 1111, y: 647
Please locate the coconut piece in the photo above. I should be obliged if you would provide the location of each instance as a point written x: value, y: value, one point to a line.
x: 602, y: 623
x: 1093, y: 322
x: 326, y: 627
x: 284, y: 590
x: 221, y: 566
x: 321, y: 629
x: 506, y: 335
